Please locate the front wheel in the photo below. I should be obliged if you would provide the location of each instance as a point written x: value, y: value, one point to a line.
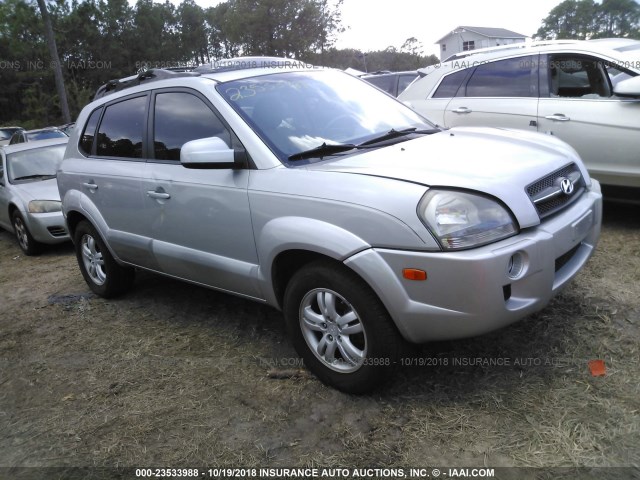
x: 340, y: 328
x: 101, y: 272
x: 26, y: 241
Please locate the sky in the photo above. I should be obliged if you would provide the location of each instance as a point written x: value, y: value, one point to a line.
x: 377, y: 24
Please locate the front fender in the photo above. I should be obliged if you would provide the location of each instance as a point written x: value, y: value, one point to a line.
x: 299, y: 233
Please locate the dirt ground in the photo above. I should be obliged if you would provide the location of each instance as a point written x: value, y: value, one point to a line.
x: 174, y: 375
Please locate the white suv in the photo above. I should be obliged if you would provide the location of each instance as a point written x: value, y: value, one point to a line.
x: 585, y: 92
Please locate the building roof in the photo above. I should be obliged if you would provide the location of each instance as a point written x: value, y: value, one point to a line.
x: 486, y: 32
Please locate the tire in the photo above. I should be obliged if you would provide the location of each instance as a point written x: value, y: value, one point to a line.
x: 25, y: 240
x: 340, y: 328
x: 102, y: 273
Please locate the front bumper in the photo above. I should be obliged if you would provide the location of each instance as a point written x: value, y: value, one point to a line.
x: 472, y: 292
x: 47, y: 228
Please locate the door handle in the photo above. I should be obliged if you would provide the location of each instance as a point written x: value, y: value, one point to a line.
x: 158, y: 195
x: 462, y: 110
x: 558, y: 117
x: 91, y: 186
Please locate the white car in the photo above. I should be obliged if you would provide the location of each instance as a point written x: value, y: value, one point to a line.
x: 587, y: 93
x: 6, y: 133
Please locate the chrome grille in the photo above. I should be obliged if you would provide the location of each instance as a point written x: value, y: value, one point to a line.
x: 547, y: 194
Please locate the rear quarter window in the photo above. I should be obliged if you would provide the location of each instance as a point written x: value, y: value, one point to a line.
x: 450, y: 84
x: 86, y: 139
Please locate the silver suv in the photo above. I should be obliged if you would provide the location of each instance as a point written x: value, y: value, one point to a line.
x: 311, y: 191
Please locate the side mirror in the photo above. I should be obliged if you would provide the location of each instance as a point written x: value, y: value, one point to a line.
x: 628, y: 88
x: 210, y: 152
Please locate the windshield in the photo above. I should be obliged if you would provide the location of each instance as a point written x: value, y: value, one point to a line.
x: 35, y: 164
x: 297, y: 111
x: 5, y: 133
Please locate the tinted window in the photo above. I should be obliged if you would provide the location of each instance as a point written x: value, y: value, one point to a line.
x: 404, y: 81
x: 515, y: 77
x: 121, y: 129
x: 86, y: 140
x: 386, y: 83
x: 182, y: 117
x: 450, y: 84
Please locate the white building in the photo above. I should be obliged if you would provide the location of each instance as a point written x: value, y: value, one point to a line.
x: 462, y: 39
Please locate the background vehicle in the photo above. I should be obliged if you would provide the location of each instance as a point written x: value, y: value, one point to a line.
x: 580, y: 91
x: 394, y: 83
x: 310, y: 191
x: 67, y: 128
x: 23, y: 136
x: 6, y: 133
x: 29, y: 199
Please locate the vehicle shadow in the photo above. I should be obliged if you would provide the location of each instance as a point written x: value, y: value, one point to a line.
x: 621, y: 213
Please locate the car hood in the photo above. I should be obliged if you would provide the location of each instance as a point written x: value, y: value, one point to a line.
x: 498, y: 162
x: 38, y: 190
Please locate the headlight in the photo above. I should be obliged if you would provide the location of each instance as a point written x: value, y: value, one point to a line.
x: 464, y: 220
x: 44, y: 206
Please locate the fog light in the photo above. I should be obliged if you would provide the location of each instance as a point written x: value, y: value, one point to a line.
x: 414, y: 274
x: 515, y: 267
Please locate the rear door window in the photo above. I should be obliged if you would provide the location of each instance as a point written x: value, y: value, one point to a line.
x: 513, y: 77
x: 122, y: 129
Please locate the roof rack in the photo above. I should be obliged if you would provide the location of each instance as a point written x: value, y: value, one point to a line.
x: 511, y: 46
x: 216, y: 66
x: 150, y: 75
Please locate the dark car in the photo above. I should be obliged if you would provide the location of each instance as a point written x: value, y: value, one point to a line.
x: 393, y: 83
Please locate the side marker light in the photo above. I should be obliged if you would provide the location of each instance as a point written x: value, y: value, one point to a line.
x: 414, y: 274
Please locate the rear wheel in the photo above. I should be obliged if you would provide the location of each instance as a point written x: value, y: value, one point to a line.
x: 26, y: 241
x: 101, y: 272
x: 340, y: 328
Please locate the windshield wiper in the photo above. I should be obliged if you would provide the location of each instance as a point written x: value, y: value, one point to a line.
x: 393, y: 133
x: 323, y: 151
x: 43, y: 176
x: 327, y: 149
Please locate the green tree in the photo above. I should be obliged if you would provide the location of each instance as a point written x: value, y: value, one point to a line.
x: 618, y: 18
x: 290, y: 28
x: 572, y: 19
x: 193, y: 36
x: 55, y: 61
x: 157, y: 24
x: 585, y: 19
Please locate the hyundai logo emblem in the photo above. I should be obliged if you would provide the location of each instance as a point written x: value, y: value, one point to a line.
x: 567, y: 186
